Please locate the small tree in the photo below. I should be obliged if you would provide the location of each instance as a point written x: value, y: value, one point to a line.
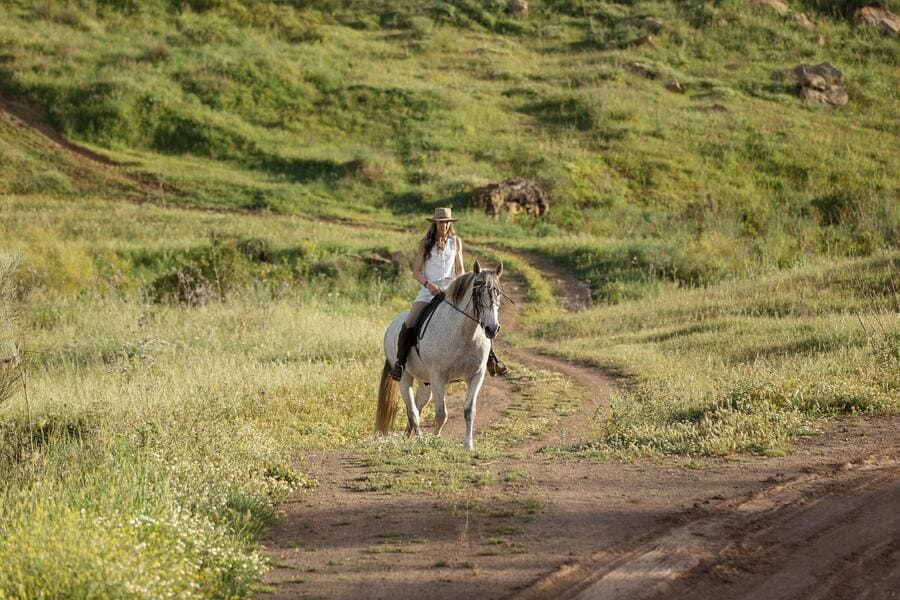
x: 10, y: 323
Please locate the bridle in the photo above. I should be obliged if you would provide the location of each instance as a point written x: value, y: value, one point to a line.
x: 489, y: 286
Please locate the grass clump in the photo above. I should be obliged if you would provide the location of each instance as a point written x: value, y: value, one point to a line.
x: 744, y: 366
x: 10, y: 326
x: 431, y: 463
x: 137, y: 471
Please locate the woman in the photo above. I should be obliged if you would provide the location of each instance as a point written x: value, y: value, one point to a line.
x: 438, y: 262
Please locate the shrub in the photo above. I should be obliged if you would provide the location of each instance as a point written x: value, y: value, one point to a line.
x: 9, y: 324
x: 60, y: 266
x: 256, y: 249
x: 208, y: 273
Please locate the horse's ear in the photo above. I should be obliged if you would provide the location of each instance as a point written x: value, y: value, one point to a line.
x: 476, y: 268
x: 500, y: 269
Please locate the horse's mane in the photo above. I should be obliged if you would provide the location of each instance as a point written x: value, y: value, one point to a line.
x: 457, y: 289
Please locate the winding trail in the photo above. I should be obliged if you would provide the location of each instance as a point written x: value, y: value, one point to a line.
x: 822, y: 522
x: 812, y: 524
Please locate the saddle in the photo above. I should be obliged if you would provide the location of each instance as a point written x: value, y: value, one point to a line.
x: 424, y: 317
x: 495, y: 365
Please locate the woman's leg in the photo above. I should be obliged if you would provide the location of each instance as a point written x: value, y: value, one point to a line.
x: 414, y: 312
x: 407, y: 338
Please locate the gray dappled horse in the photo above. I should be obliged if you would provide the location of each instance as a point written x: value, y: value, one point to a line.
x: 453, y: 347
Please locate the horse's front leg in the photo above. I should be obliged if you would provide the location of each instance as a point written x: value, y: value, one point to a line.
x: 440, y: 408
x: 469, y: 410
x: 423, y: 395
x: 412, y: 411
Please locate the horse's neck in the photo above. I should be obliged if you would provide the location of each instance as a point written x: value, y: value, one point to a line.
x: 463, y: 318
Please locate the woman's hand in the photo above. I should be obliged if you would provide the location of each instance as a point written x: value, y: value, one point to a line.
x: 433, y: 288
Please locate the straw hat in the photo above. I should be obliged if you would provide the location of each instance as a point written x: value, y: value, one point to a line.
x: 442, y: 214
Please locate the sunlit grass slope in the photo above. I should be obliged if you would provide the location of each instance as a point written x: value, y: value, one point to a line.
x: 159, y: 431
x: 742, y: 366
x: 377, y: 111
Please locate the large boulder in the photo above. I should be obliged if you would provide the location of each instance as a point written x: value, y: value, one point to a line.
x: 517, y: 7
x: 885, y: 20
x: 779, y: 6
x: 822, y: 84
x: 513, y: 196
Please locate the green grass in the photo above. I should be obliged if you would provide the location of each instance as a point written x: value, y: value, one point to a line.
x: 742, y: 366
x: 377, y: 113
x: 740, y: 243
x: 160, y: 434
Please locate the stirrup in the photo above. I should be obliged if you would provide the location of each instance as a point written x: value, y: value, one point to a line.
x: 396, y: 371
x: 495, y: 365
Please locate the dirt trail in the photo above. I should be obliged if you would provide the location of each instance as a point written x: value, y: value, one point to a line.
x: 603, y: 530
x: 820, y: 523
x: 82, y: 162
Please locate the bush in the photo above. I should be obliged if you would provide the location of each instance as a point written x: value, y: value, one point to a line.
x: 60, y: 266
x: 622, y: 270
x: 256, y: 249
x: 204, y: 274
x: 10, y: 320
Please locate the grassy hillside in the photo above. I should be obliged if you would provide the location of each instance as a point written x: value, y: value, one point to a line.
x: 741, y: 246
x: 378, y: 111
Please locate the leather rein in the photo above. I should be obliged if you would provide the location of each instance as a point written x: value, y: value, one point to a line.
x: 432, y: 308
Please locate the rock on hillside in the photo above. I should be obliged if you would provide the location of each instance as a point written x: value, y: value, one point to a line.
x: 885, y: 20
x: 513, y: 196
x: 779, y: 6
x: 822, y: 84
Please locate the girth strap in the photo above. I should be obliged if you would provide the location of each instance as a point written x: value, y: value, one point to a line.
x: 424, y: 319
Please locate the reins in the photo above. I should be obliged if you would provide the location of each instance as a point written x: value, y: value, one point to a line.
x: 432, y: 308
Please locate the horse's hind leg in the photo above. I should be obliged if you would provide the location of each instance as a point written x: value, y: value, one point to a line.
x: 469, y: 409
x: 440, y: 408
x: 412, y: 411
x: 423, y: 395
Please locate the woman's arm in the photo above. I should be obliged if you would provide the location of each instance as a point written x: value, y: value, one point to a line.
x: 419, y: 264
x: 458, y: 267
x: 419, y: 270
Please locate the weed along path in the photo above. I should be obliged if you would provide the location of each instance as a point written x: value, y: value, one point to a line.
x: 398, y: 519
x: 405, y: 519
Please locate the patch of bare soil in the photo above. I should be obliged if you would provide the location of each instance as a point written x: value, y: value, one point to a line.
x: 83, y: 162
x: 821, y: 522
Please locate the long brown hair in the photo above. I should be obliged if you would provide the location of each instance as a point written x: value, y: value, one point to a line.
x: 431, y: 238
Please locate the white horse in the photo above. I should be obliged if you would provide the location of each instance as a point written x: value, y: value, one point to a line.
x: 454, y: 346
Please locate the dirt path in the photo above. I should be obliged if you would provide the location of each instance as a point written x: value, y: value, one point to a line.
x: 820, y: 523
x: 814, y: 522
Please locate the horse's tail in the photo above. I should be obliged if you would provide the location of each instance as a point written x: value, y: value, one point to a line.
x: 387, y: 401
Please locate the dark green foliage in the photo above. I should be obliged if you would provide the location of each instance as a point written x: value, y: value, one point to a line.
x: 229, y: 265
x: 565, y: 111
x: 847, y: 8
x: 256, y: 249
x: 618, y: 272
x: 204, y: 274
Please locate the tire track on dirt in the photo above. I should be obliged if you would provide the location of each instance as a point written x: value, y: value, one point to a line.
x: 828, y: 534
x: 819, y: 532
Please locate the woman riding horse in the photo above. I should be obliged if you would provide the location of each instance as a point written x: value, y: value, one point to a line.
x: 438, y: 261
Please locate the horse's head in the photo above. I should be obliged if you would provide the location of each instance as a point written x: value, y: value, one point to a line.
x: 486, y: 295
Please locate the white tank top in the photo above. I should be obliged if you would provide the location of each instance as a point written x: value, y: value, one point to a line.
x: 439, y: 268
